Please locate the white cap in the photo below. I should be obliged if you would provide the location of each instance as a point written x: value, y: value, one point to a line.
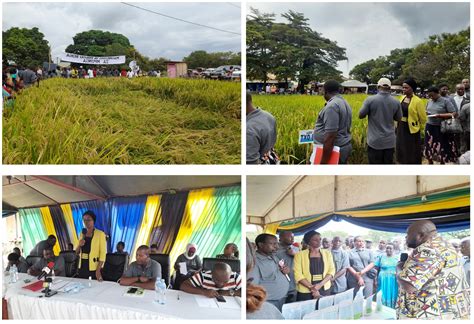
x: 384, y: 82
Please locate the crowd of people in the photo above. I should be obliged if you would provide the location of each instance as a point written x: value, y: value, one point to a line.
x: 425, y: 277
x: 394, y: 126
x: 91, y: 254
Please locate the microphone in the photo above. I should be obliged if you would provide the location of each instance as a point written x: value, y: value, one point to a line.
x: 46, y: 270
x: 281, y: 263
x: 84, y: 231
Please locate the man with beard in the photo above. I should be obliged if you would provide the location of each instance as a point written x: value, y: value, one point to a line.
x: 431, y: 282
x: 287, y: 254
x: 268, y: 271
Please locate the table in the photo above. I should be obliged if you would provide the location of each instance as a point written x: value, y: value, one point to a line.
x: 105, y: 300
x: 386, y: 313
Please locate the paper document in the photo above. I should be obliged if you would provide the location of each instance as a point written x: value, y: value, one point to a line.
x: 183, y: 269
x: 206, y: 302
x: 231, y: 303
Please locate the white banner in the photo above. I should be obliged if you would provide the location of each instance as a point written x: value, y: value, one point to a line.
x: 100, y: 60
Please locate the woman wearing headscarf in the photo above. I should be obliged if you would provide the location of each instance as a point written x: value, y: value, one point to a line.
x: 193, y: 264
x: 257, y: 307
x: 313, y: 268
x: 408, y: 146
x: 92, y: 248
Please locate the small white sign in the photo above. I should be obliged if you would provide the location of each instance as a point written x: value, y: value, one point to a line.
x: 306, y: 136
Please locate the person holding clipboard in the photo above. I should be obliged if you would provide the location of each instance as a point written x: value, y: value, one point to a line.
x: 92, y: 249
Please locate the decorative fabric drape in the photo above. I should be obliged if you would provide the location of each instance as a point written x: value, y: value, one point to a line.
x: 32, y: 228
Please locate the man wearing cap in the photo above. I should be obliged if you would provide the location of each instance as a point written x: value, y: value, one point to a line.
x: 382, y: 111
x: 333, y: 126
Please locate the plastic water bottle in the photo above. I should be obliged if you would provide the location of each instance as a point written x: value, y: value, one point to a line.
x: 90, y: 282
x: 12, y: 274
x: 15, y: 273
x: 160, y: 291
x: 53, y: 275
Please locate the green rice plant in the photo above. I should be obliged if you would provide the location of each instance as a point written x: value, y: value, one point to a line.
x: 122, y: 121
x: 299, y: 112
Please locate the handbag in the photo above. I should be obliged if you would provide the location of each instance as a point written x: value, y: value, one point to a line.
x: 372, y: 273
x: 451, y: 126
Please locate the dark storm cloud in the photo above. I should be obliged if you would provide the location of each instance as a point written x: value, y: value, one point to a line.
x: 369, y: 30
x: 153, y: 35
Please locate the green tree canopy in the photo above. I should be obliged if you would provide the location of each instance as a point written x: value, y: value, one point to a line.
x: 99, y: 43
x: 442, y: 58
x: 27, y: 47
x: 290, y: 50
x: 208, y: 60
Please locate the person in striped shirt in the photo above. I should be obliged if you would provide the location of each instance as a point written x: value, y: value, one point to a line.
x: 220, y: 281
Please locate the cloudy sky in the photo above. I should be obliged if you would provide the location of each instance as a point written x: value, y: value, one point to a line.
x: 369, y: 30
x: 152, y: 35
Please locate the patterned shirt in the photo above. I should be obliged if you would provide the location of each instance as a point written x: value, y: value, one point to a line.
x: 438, y: 277
x: 203, y: 279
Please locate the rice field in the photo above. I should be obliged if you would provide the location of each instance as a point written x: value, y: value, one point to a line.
x: 122, y: 121
x: 299, y: 112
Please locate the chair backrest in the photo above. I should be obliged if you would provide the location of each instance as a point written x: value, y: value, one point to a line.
x: 164, y: 261
x: 208, y: 264
x: 32, y: 259
x: 71, y: 262
x: 114, y: 266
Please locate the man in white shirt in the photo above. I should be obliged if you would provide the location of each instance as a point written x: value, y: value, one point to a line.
x: 459, y: 98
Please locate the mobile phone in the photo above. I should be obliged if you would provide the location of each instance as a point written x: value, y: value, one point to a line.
x: 132, y: 290
x: 221, y: 299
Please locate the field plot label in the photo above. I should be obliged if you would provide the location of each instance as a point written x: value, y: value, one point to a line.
x: 306, y: 136
x: 102, y: 60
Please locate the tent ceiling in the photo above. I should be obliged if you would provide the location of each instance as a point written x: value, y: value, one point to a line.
x: 33, y: 191
x: 277, y: 198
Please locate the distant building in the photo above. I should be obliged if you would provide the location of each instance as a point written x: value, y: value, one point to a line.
x: 176, y: 69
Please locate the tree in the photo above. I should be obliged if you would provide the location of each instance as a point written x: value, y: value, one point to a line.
x: 442, y: 58
x: 26, y: 47
x: 207, y: 60
x: 290, y: 50
x: 260, y: 45
x: 99, y: 43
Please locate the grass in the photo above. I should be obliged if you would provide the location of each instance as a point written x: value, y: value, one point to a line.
x: 121, y: 121
x: 299, y: 112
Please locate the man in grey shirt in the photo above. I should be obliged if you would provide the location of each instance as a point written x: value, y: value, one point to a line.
x: 341, y: 262
x: 268, y: 273
x: 48, y: 256
x: 29, y: 77
x: 50, y: 242
x: 261, y: 133
x: 287, y: 254
x: 359, y: 272
x: 143, y: 272
x: 333, y: 126
x: 382, y: 111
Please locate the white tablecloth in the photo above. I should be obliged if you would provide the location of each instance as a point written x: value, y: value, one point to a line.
x: 106, y: 300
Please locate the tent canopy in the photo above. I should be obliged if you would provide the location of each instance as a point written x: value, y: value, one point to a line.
x: 35, y: 191
x: 273, y: 200
x: 353, y: 84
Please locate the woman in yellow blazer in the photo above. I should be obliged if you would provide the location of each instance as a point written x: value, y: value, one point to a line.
x: 313, y: 269
x: 414, y: 116
x: 92, y: 249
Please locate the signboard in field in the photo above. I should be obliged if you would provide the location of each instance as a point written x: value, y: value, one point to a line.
x: 100, y: 60
x: 306, y: 136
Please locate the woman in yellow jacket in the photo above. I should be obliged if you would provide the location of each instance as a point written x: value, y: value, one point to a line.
x: 313, y: 269
x: 92, y: 249
x: 408, y: 147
